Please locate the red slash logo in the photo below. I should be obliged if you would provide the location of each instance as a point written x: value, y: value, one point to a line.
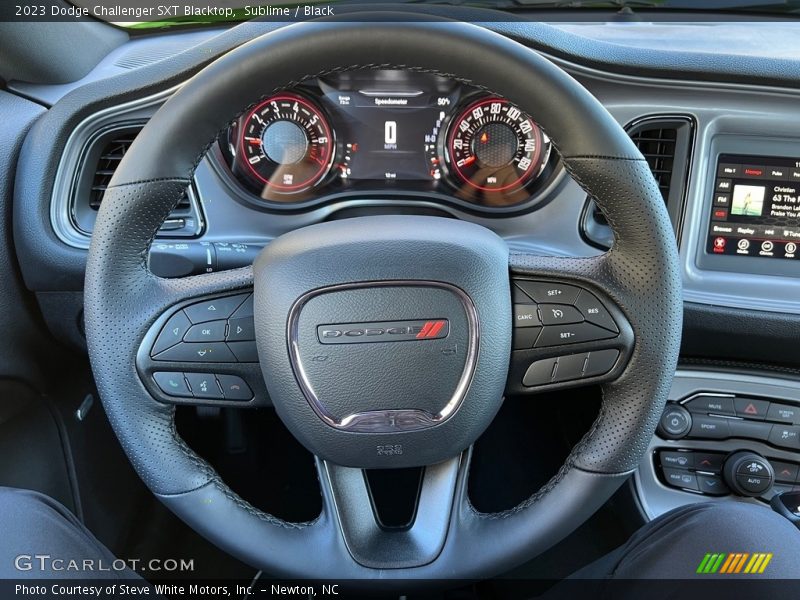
x: 430, y: 330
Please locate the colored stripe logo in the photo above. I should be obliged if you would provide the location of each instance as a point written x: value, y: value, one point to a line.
x: 735, y: 562
x: 431, y: 329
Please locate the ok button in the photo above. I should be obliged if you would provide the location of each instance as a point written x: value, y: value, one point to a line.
x: 211, y: 331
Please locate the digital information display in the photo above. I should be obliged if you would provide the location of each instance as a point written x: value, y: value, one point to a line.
x: 756, y: 207
x: 389, y: 135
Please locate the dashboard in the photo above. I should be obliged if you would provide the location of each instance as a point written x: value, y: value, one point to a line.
x: 388, y: 130
x: 402, y: 141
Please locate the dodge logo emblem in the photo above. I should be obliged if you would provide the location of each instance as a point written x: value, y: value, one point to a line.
x: 387, y: 331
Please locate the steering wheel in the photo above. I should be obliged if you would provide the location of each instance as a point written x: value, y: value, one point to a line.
x: 433, y: 297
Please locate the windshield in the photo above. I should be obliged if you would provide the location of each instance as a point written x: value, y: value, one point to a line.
x: 137, y: 14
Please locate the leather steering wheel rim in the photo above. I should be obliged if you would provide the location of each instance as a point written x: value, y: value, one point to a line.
x: 640, y: 274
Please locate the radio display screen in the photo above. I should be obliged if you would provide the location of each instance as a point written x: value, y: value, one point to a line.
x: 756, y: 207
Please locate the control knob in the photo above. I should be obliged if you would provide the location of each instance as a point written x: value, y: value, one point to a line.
x: 675, y: 422
x: 748, y: 473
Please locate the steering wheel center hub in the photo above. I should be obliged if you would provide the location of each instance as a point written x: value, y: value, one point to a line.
x: 382, y: 343
x: 384, y: 357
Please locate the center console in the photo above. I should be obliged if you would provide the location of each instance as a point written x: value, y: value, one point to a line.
x: 723, y: 436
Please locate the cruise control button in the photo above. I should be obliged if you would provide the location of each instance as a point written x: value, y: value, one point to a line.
x: 549, y: 291
x: 234, y: 388
x: 204, y: 385
x: 526, y: 315
x: 212, y: 310
x: 679, y: 460
x: 241, y: 330
x: 600, y: 362
x: 524, y: 337
x: 172, y: 384
x: 749, y: 408
x: 785, y: 436
x: 207, y: 352
x: 559, y: 314
x: 212, y: 331
x: 540, y: 372
x: 244, y: 351
x: 786, y: 472
x: 681, y: 479
x: 172, y: 333
x: 713, y: 485
x: 570, y: 367
x: 556, y: 335
x: 712, y: 428
x: 717, y: 405
x: 783, y: 413
x: 593, y: 311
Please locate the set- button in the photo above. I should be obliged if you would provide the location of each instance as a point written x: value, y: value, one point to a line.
x: 213, y: 331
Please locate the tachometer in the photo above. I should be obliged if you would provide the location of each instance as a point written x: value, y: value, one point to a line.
x: 492, y: 146
x: 286, y: 143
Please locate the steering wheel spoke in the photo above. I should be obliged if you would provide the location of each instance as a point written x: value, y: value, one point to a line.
x: 568, y: 329
x: 374, y: 545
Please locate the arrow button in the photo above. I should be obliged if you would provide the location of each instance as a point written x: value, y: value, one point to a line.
x: 241, y: 330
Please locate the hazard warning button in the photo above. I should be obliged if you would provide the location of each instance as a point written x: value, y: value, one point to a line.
x: 750, y: 408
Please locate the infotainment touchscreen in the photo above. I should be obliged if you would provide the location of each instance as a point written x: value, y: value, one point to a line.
x: 756, y: 207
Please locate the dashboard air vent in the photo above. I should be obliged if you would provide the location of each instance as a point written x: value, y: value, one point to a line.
x: 657, y: 145
x: 666, y: 144
x: 101, y: 159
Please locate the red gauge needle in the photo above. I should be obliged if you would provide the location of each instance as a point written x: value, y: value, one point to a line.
x: 469, y: 160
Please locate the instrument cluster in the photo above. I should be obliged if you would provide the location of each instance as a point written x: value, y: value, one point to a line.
x: 384, y: 132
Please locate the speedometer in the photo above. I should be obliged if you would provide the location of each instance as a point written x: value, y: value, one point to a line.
x: 492, y: 146
x: 286, y: 143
